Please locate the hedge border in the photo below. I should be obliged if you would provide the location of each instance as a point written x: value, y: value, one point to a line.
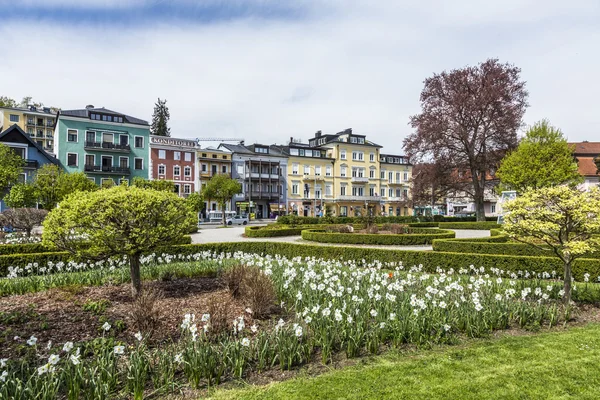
x: 430, y: 260
x: 418, y: 237
x: 470, y: 225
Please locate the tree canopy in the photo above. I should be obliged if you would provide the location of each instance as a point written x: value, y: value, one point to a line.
x: 221, y: 188
x: 164, y: 185
x: 11, y: 166
x: 123, y: 220
x: 21, y: 195
x: 543, y: 158
x: 23, y: 218
x: 51, y: 185
x: 160, y: 119
x: 564, y: 219
x: 469, y: 120
x: 7, y: 102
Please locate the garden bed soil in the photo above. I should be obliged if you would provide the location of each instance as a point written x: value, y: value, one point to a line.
x: 58, y: 315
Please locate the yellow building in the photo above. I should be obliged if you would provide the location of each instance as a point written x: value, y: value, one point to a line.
x: 37, y: 122
x: 211, y: 162
x: 361, y: 177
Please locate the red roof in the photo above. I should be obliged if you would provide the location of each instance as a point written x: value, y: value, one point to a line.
x: 587, y: 167
x: 589, y: 148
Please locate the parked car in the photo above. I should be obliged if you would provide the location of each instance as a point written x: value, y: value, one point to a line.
x: 237, y: 219
x: 7, y: 229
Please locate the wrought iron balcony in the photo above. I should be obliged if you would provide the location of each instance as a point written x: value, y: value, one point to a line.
x: 105, y: 169
x: 107, y: 146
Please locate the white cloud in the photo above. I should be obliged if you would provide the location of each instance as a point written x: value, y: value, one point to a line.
x: 353, y: 65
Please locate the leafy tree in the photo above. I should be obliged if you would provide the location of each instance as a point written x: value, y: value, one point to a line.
x: 221, y: 188
x: 430, y: 184
x: 195, y: 201
x: 164, y: 185
x: 21, y: 195
x: 160, y: 119
x: 543, y: 158
x: 7, y: 102
x: 11, y: 166
x: 123, y: 220
x: 23, y: 218
x: 107, y: 184
x: 563, y: 218
x: 52, y: 185
x: 469, y: 120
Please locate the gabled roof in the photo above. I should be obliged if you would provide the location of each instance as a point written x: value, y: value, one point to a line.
x: 589, y: 148
x: 85, y: 113
x: 15, y: 128
x: 587, y: 166
x: 236, y: 148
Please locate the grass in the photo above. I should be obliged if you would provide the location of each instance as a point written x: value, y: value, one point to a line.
x: 554, y: 365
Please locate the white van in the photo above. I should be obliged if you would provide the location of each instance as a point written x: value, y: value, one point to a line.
x: 217, y: 216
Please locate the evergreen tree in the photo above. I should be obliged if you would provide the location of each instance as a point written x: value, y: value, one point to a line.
x: 160, y: 118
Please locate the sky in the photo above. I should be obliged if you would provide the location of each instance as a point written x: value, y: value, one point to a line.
x: 267, y: 70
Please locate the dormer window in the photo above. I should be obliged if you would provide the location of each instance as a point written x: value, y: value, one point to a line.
x: 361, y: 140
x: 263, y: 150
x: 353, y: 139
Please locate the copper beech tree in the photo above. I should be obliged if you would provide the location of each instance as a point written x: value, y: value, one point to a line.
x: 469, y: 120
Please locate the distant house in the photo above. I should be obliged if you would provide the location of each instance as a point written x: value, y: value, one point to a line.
x: 34, y: 154
x: 586, y: 153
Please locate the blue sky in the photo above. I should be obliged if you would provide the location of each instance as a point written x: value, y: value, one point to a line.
x: 268, y: 70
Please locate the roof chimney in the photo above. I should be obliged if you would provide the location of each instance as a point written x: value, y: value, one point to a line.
x: 89, y: 106
x: 291, y: 139
x: 318, y: 134
x: 348, y: 130
x: 242, y: 142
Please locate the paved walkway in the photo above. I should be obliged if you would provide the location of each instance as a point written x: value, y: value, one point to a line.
x: 234, y: 234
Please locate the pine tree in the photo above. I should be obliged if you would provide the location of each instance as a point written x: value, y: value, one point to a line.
x: 160, y: 118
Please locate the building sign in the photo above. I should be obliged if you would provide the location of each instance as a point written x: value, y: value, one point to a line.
x: 172, y: 141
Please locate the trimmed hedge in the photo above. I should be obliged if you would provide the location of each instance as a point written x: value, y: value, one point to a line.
x: 416, y: 237
x: 424, y: 225
x: 265, y: 231
x: 23, y: 248
x: 429, y: 259
x: 470, y: 225
x: 295, y: 220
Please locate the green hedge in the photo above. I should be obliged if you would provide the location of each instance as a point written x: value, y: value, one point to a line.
x: 416, y: 237
x: 295, y: 220
x: 429, y: 259
x: 424, y: 224
x: 470, y: 225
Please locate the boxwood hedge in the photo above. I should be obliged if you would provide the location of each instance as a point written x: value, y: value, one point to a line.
x: 470, y: 225
x: 429, y: 259
x: 416, y: 237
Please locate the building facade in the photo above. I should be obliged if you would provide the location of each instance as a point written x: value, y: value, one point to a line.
x: 37, y: 122
x: 105, y: 144
x: 395, y: 173
x: 175, y: 160
x: 261, y: 170
x: 33, y: 154
x: 211, y: 162
x: 587, y: 153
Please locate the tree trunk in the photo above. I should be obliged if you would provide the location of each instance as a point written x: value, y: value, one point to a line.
x: 134, y: 270
x: 224, y: 216
x: 567, y: 287
x: 479, y: 204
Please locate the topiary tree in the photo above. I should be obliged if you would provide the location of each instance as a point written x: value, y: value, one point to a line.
x: 21, y: 195
x: 564, y: 219
x: 23, y: 218
x: 221, y: 188
x: 167, y: 186
x: 123, y: 220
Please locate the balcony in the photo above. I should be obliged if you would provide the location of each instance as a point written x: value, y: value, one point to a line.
x: 360, y: 198
x: 256, y: 175
x: 210, y: 174
x: 104, y: 169
x: 33, y: 164
x: 30, y: 122
x: 313, y: 178
x: 107, y: 146
x: 360, y: 179
x: 262, y: 195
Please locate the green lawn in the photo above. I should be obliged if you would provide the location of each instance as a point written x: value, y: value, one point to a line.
x: 557, y: 365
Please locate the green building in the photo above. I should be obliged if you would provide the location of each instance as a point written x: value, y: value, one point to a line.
x: 105, y: 144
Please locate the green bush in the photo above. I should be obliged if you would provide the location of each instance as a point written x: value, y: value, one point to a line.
x: 295, y: 220
x: 470, y: 225
x: 416, y: 237
x: 23, y: 248
x: 424, y: 224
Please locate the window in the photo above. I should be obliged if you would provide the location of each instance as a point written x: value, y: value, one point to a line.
x: 343, y: 172
x: 390, y: 176
x: 107, y: 137
x: 397, y: 177
x: 71, y: 135
x: 139, y: 142
x: 371, y: 191
x: 224, y: 169
x: 162, y: 154
x: 240, y: 169
x: 204, y: 167
x: 405, y: 193
x: 328, y: 170
x: 317, y: 192
x: 263, y: 150
x: 90, y: 136
x: 391, y: 192
x: 361, y: 140
x: 224, y: 157
x: 295, y: 188
x: 90, y: 159
x: 358, y: 191
x: 397, y: 192
x: 139, y: 163
x: 14, y: 118
x: 293, y: 152
x: 357, y: 155
x: 177, y: 188
x: 372, y: 173
x: 176, y: 170
x: 318, y: 170
x: 372, y: 157
x: 294, y: 169
x: 382, y: 175
x: 306, y: 170
x: 176, y: 155
x: 354, y: 172
x: 72, y: 159
x: 161, y: 169
x: 343, y: 211
x: 124, y: 162
x: 327, y: 190
x: 188, y: 156
x: 343, y: 155
x: 187, y: 171
x: 342, y: 190
x: 124, y: 140
x: 186, y: 189
x: 493, y: 208
x: 20, y: 151
x: 214, y: 156
x: 382, y: 192
x: 405, y: 176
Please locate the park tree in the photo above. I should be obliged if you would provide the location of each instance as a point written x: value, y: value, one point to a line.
x: 469, y: 120
x: 221, y: 188
x: 159, y: 184
x: 430, y: 184
x: 543, y: 158
x: 23, y: 218
x: 195, y: 201
x: 123, y: 220
x: 52, y: 185
x: 160, y: 119
x: 559, y: 219
x: 7, y: 102
x: 21, y: 195
x: 11, y: 166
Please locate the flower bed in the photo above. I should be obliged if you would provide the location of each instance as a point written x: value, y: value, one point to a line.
x: 417, y: 236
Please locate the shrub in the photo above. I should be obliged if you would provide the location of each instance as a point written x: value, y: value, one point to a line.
x: 253, y: 287
x: 416, y: 237
x: 144, y: 311
x: 23, y: 218
x: 396, y: 229
x: 219, y: 308
x: 470, y: 225
x: 373, y: 229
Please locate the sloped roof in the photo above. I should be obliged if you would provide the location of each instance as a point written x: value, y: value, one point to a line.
x: 587, y: 166
x: 236, y: 148
x: 16, y: 128
x: 85, y: 113
x: 591, y: 148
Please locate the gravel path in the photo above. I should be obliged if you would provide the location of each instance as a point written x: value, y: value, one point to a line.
x: 234, y: 234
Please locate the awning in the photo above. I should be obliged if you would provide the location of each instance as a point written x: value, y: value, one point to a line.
x: 276, y: 207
